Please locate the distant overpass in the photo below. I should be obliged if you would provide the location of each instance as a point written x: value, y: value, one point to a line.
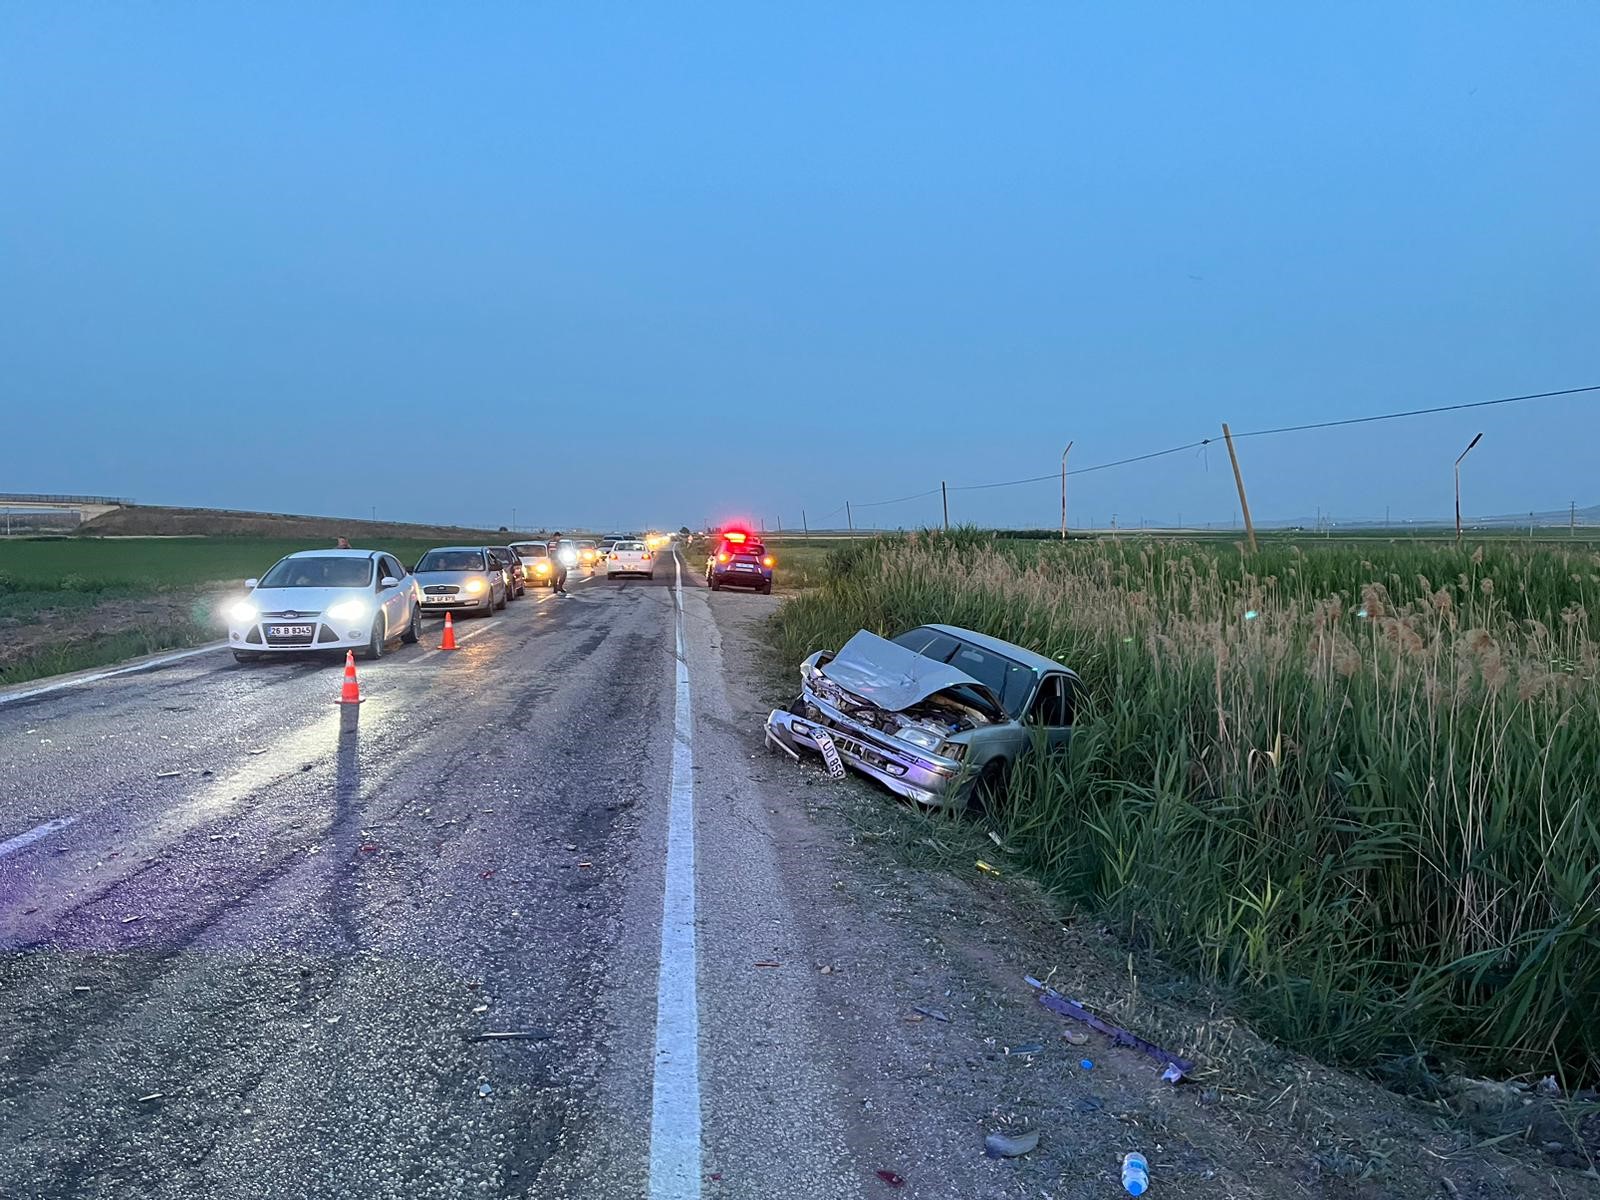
x: 23, y: 510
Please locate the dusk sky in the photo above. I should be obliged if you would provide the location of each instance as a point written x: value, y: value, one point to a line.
x: 617, y: 265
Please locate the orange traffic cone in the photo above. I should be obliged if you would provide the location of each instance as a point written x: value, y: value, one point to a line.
x: 449, y: 640
x: 350, y: 693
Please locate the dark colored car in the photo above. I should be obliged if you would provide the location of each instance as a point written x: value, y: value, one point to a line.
x: 740, y: 560
x: 511, y: 562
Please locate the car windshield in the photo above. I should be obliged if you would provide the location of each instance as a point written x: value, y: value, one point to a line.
x: 451, y: 560
x: 634, y: 546
x: 312, y: 571
x: 1011, y: 681
x: 532, y: 550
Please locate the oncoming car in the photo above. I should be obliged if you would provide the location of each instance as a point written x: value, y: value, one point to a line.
x: 326, y: 600
x: 461, y: 577
x: 740, y: 560
x: 538, y: 568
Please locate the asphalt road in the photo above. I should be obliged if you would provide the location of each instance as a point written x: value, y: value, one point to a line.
x: 250, y: 939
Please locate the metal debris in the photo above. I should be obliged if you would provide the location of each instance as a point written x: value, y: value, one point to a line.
x: 931, y: 1012
x: 511, y: 1035
x: 1175, y: 1068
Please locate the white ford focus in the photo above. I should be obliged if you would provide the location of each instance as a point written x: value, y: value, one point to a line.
x: 326, y: 600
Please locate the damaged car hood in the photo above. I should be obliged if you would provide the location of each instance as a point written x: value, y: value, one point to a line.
x: 894, y: 678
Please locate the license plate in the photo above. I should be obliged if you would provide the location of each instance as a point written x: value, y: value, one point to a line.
x: 743, y: 567
x: 438, y: 599
x: 290, y: 631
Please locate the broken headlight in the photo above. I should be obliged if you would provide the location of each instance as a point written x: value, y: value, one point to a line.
x: 918, y: 736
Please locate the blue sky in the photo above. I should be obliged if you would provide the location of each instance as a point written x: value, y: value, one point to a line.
x: 627, y: 264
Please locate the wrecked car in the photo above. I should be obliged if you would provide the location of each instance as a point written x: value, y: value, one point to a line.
x: 936, y: 714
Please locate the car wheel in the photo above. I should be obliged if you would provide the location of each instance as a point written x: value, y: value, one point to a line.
x: 504, y: 596
x: 413, y: 632
x: 989, y: 789
x: 375, y: 639
x: 245, y: 656
x: 766, y: 589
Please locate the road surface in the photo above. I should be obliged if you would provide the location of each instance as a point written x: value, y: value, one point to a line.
x: 251, y: 942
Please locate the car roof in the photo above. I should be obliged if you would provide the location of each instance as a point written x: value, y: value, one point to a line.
x: 479, y: 549
x: 334, y: 553
x: 1017, y: 654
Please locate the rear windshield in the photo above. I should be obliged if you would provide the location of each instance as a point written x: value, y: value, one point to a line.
x: 532, y: 550
x: 330, y: 572
x: 1011, y: 681
x: 755, y: 549
x: 451, y: 560
x: 632, y: 546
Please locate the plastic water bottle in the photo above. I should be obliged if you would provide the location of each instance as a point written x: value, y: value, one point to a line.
x: 1135, y: 1174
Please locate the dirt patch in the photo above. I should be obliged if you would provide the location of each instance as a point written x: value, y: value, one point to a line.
x: 900, y: 908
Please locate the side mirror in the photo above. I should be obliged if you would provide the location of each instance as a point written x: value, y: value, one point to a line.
x: 251, y: 583
x: 390, y: 581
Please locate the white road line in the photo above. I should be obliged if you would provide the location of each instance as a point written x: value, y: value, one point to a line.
x: 675, y: 1101
x: 81, y: 680
x: 33, y: 835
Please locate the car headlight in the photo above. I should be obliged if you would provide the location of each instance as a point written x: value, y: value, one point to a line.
x: 348, y: 610
x: 926, y: 738
x: 473, y: 586
x: 243, y: 612
x: 541, y: 568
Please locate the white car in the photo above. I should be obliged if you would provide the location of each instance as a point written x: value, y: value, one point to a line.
x: 630, y: 558
x: 326, y: 600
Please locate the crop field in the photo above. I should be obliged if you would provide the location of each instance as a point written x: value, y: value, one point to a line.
x: 1354, y: 785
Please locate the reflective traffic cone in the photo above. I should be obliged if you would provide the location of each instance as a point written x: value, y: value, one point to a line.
x: 350, y: 693
x: 449, y: 640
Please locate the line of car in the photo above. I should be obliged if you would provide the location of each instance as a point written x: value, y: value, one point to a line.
x: 362, y: 600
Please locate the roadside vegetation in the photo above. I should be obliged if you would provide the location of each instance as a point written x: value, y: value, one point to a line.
x: 1353, y: 785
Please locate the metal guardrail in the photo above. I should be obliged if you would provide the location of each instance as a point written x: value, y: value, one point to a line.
x: 21, y: 498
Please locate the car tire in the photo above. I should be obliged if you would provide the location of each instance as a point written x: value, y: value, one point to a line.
x: 376, y: 640
x: 413, y: 633
x: 504, y: 600
x: 989, y: 789
x: 246, y: 656
x: 766, y: 589
x: 715, y: 586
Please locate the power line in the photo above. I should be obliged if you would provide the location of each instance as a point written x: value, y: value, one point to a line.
x: 1203, y: 442
x: 1417, y: 412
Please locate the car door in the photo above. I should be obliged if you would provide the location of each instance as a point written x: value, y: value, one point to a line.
x: 394, y: 599
x: 1051, y: 712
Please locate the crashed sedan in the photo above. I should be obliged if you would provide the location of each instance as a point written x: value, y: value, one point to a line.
x: 936, y: 714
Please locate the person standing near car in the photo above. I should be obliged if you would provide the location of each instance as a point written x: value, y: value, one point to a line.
x: 559, y: 587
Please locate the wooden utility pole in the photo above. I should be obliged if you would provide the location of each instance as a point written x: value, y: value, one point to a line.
x: 1238, y: 479
x: 1572, y: 519
x: 848, y: 519
x: 944, y: 492
x: 1064, y: 454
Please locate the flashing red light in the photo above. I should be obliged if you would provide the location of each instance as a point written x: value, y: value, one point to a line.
x: 736, y: 538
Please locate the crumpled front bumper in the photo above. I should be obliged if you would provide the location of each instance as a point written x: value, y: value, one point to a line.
x: 926, y: 778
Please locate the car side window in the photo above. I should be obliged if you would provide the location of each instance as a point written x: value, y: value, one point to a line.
x: 1052, y: 707
x: 393, y: 568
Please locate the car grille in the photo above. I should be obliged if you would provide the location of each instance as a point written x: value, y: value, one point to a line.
x: 290, y: 614
x: 439, y: 589
x: 301, y: 640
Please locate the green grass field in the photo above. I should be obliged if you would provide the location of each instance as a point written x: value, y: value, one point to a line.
x: 1353, y: 784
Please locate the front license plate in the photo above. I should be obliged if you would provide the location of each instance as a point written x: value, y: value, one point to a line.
x: 290, y: 631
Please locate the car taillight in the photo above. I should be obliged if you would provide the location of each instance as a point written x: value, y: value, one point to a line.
x: 722, y: 556
x: 648, y: 556
x: 769, y: 561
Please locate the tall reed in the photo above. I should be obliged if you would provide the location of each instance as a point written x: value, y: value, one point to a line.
x: 1356, y: 786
